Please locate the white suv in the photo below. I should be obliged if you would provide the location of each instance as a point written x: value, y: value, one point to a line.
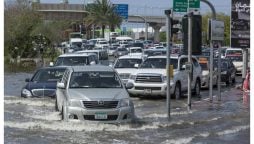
x: 150, y: 78
x: 126, y: 65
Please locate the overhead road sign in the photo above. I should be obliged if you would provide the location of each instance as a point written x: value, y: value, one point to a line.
x: 122, y: 10
x: 240, y: 24
x: 216, y: 30
x: 182, y: 5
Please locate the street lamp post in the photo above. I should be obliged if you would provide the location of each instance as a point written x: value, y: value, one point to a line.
x: 146, y: 26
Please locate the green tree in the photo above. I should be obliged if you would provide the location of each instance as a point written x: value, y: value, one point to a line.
x: 19, y: 22
x: 102, y: 14
x: 219, y: 16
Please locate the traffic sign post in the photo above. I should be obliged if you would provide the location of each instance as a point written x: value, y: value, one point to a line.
x: 122, y: 10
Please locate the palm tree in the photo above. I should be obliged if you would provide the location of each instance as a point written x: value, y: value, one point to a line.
x: 114, y: 21
x: 102, y: 14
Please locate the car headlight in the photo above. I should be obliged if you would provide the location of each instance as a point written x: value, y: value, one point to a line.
x: 164, y: 78
x: 26, y: 92
x: 133, y: 77
x: 124, y: 103
x: 74, y: 103
x: 224, y: 72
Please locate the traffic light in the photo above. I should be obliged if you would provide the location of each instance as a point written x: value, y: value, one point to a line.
x: 174, y: 30
x: 196, y: 34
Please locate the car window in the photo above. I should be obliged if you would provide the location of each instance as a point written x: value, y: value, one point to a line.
x: 183, y: 61
x: 65, y: 79
x: 127, y: 63
x: 154, y: 63
x: 47, y: 75
x: 195, y: 63
x: 204, y: 66
x: 71, y: 61
x: 95, y: 80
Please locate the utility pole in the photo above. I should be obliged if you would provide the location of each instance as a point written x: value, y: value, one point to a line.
x: 189, y: 58
x: 167, y: 13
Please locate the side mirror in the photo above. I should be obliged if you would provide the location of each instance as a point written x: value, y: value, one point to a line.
x: 51, y: 64
x: 183, y: 67
x: 27, y: 80
x: 60, y: 85
x: 136, y: 65
x: 129, y: 85
x: 92, y: 63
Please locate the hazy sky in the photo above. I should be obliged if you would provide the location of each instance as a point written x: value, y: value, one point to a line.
x: 156, y: 7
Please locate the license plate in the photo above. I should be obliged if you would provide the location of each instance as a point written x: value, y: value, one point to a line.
x: 147, y: 91
x: 100, y: 115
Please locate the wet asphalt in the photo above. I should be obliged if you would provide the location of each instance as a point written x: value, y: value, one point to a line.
x: 35, y: 120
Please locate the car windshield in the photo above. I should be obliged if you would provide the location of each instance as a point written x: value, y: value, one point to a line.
x: 127, y: 63
x: 71, y: 61
x: 235, y: 58
x: 95, y: 80
x: 224, y: 64
x: 204, y: 66
x: 230, y: 52
x: 122, y: 49
x: 102, y: 42
x: 78, y: 44
x: 136, y: 50
x: 48, y: 75
x: 112, y: 48
x: 158, y: 63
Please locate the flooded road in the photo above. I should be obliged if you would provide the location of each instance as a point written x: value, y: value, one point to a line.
x: 35, y: 120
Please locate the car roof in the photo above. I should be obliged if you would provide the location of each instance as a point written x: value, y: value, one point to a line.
x: 131, y: 57
x: 92, y: 68
x: 74, y: 54
x: 49, y: 68
x: 234, y: 49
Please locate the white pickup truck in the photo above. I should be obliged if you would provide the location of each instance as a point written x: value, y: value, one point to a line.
x: 150, y: 78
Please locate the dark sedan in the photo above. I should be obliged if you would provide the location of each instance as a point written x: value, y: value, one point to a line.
x: 228, y: 71
x: 43, y: 82
x: 120, y: 52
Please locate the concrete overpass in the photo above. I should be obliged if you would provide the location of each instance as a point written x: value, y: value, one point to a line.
x: 76, y: 12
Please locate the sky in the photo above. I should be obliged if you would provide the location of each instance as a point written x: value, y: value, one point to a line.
x: 157, y: 7
x: 154, y: 8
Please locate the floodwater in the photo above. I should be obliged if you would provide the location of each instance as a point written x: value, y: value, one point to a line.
x: 35, y: 120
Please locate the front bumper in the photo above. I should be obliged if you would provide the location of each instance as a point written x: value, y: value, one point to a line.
x: 152, y: 89
x: 205, y: 82
x: 224, y: 78
x: 239, y: 70
x: 123, y: 114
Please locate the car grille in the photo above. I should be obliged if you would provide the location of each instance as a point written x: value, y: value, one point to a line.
x: 124, y: 75
x: 148, y: 78
x: 152, y: 88
x: 92, y: 118
x: 100, y: 104
x: 44, y: 92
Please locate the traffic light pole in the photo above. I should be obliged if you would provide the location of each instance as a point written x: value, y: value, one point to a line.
x: 189, y: 57
x: 211, y: 72
x: 168, y: 12
x: 219, y: 74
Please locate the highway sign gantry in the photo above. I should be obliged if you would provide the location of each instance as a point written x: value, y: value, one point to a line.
x: 182, y: 5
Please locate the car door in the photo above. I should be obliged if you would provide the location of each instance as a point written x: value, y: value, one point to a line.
x: 232, y: 69
x: 62, y: 92
x: 183, y: 75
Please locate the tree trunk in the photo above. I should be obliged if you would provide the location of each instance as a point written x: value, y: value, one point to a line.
x: 112, y: 28
x: 102, y: 30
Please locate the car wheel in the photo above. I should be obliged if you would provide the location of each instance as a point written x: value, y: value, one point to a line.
x: 177, y: 91
x: 197, y: 88
x: 64, y: 118
x: 56, y: 106
x: 229, y: 80
x: 233, y: 80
